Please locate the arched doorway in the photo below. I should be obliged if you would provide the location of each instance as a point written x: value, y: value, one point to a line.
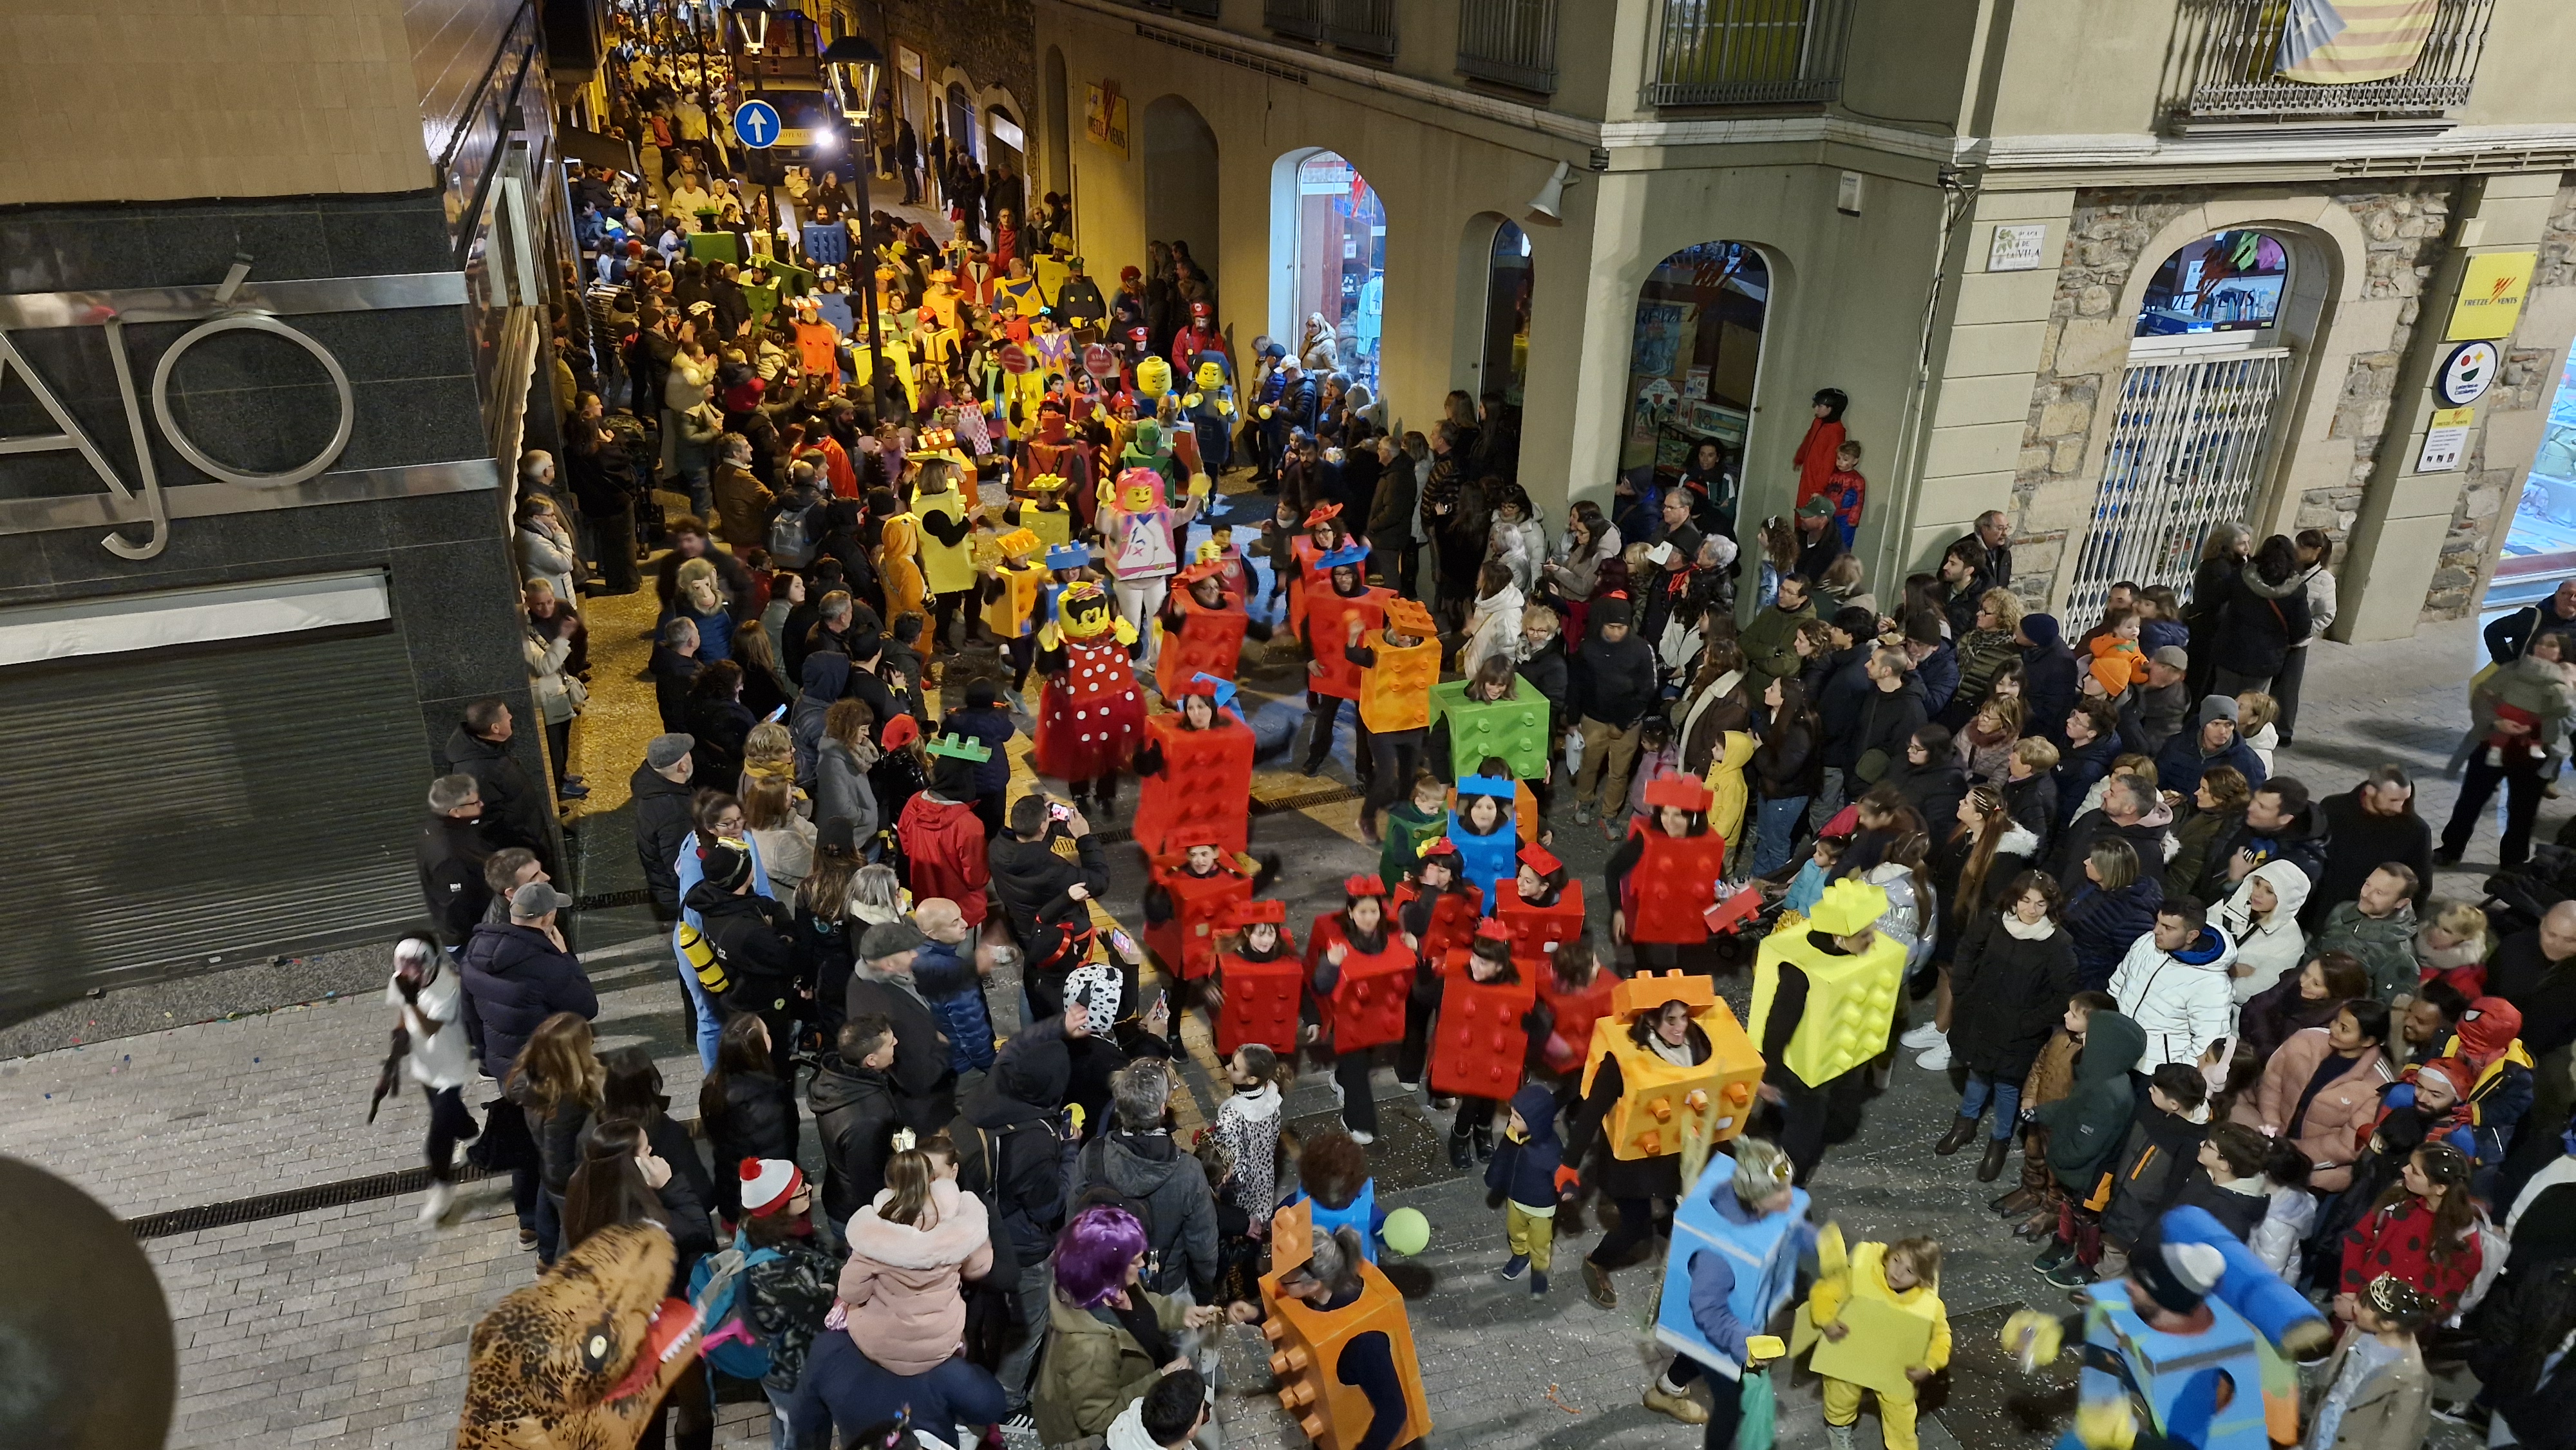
x: 1691, y: 370
x: 1005, y: 145
x: 1504, y: 359
x: 2192, y: 426
x: 1058, y: 125
x: 1181, y: 179
x: 961, y: 118
x: 1328, y: 250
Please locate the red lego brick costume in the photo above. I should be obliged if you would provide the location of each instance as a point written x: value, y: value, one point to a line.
x: 1575, y: 1011
x: 1209, y: 641
x: 1183, y: 934
x: 1092, y: 716
x: 1312, y: 577
x: 1329, y: 616
x: 1535, y: 929
x: 1259, y: 998
x: 1482, y: 1041
x: 1366, y: 1006
x: 1674, y: 883
x: 1204, y: 784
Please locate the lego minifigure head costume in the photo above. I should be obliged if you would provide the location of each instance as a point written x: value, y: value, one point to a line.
x: 1140, y: 490
x: 1210, y: 377
x: 1153, y: 380
x: 1084, y: 612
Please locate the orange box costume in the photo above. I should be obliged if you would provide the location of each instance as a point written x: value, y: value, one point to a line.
x: 1307, y: 1344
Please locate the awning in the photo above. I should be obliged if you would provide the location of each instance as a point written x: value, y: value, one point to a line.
x: 592, y: 149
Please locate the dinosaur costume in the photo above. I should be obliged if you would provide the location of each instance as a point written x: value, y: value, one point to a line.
x: 579, y: 1359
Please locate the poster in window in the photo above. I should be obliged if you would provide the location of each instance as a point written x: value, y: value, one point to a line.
x: 1664, y: 332
x: 1695, y: 385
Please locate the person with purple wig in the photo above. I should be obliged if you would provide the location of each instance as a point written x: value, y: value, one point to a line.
x: 1109, y: 1338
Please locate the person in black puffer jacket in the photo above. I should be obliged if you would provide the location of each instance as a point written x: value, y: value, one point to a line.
x: 2050, y: 676
x: 1889, y: 716
x: 661, y: 792
x: 519, y: 973
x: 1788, y: 770
x: 746, y: 1109
x: 2116, y: 906
x: 1931, y: 778
x: 2266, y: 613
x: 2009, y: 986
x: 1014, y: 1153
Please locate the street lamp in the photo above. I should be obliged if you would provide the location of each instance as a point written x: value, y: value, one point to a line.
x: 853, y: 62
x: 751, y: 22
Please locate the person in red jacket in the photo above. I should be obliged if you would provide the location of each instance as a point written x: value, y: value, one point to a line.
x: 1818, y: 451
x: 2424, y: 1230
x: 941, y: 836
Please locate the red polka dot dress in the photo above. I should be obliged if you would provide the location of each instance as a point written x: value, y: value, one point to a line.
x: 1092, y: 717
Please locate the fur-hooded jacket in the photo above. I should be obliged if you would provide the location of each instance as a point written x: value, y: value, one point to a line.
x: 907, y: 1313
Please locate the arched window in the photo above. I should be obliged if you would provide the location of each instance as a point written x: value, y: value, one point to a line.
x: 2192, y: 433
x: 1691, y: 370
x: 1338, y: 299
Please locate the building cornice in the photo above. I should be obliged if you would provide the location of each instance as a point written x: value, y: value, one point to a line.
x: 2327, y: 153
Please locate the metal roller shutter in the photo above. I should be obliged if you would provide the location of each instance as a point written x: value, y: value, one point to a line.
x: 174, y: 811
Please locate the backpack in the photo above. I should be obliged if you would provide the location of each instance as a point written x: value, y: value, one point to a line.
x: 717, y: 1285
x: 1090, y: 1187
x: 791, y: 541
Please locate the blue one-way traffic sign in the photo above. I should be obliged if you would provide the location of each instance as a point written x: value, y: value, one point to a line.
x: 756, y: 124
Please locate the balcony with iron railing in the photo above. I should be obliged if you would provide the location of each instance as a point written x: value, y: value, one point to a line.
x: 1367, y: 26
x: 1509, y: 42
x: 1749, y: 52
x: 2229, y: 55
x: 1195, y: 9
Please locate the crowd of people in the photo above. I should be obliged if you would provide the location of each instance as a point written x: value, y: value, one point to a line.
x: 979, y: 501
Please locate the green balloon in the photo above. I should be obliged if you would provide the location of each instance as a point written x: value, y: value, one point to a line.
x: 1406, y: 1231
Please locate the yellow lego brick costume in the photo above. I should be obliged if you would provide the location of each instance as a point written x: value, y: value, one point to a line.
x: 1662, y: 1102
x: 1851, y: 998
x: 1887, y: 1333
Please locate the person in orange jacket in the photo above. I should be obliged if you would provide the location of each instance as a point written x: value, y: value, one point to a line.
x: 2118, y: 661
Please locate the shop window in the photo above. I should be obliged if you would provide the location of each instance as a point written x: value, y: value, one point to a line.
x: 2540, y: 547
x: 1507, y: 314
x: 1339, y: 299
x: 2229, y: 283
x: 1691, y: 369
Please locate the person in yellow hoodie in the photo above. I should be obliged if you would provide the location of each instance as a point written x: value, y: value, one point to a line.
x: 1905, y: 1275
x: 899, y: 569
x: 1726, y: 779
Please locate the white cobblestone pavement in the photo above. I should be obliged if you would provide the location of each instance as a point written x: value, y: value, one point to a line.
x: 346, y: 1325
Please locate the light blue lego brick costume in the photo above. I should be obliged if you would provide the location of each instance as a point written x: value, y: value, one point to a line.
x: 1729, y: 1270
x: 1361, y: 1213
x: 1486, y: 860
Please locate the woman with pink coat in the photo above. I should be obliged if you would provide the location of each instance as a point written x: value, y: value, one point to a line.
x: 2320, y: 1091
x: 909, y: 1253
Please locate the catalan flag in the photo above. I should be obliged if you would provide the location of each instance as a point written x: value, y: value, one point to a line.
x: 2343, y: 42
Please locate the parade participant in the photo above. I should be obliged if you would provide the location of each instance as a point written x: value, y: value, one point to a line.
x: 1140, y: 529
x: 1824, y: 997
x: 1335, y: 1298
x: 1012, y: 586
x: 1438, y: 908
x: 1258, y: 982
x: 1666, y: 1033
x: 1306, y: 576
x: 1193, y: 887
x: 1357, y: 970
x: 1201, y: 627
x: 1196, y: 770
x: 1491, y: 1027
x: 1480, y: 826
x: 898, y: 564
x: 1398, y: 669
x: 1338, y: 616
x: 1905, y: 1275
x: 1209, y: 408
x: 1044, y: 513
x: 1411, y: 825
x: 1544, y: 906
x: 1090, y: 718
x: 947, y: 567
x: 1737, y: 1239
x: 1663, y: 877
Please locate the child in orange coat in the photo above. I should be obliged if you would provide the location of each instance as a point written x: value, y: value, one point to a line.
x: 2118, y: 662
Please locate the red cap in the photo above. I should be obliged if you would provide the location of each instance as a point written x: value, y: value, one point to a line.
x: 1322, y: 513
x: 1492, y: 929
x: 1683, y: 792
x: 1363, y: 886
x: 1253, y: 913
x: 1440, y: 846
x: 899, y: 732
x: 1539, y: 859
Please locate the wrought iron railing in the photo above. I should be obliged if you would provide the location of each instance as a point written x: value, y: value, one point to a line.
x: 2231, y: 52
x: 1363, y: 25
x: 1737, y: 52
x: 1195, y: 9
x: 1509, y: 41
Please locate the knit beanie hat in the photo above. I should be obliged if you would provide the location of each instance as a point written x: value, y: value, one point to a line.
x: 767, y: 1184
x: 2179, y: 1276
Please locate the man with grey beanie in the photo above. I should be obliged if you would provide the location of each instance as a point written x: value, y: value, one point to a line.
x: 660, y: 788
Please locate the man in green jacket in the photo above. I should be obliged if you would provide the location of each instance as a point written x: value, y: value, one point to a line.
x: 2377, y: 929
x: 1770, y: 641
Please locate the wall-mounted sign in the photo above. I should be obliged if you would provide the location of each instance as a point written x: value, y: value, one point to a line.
x: 907, y: 60
x: 2467, y: 374
x: 2016, y: 247
x: 1104, y: 117
x: 2446, y: 442
x: 2490, y: 301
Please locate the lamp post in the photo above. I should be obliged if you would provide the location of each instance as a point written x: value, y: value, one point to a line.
x: 854, y: 63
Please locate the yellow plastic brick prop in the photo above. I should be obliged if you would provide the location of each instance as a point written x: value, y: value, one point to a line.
x: 1887, y: 1338
x: 1851, y: 998
x: 1662, y: 1103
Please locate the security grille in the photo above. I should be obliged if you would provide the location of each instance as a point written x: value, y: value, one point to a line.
x: 2188, y: 444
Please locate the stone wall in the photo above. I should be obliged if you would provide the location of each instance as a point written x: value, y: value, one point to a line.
x: 993, y: 41
x: 2106, y: 236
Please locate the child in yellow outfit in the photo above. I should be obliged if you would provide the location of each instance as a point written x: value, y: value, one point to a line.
x: 1906, y: 1274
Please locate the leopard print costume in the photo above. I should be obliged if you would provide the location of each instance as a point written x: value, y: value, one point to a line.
x: 579, y: 1359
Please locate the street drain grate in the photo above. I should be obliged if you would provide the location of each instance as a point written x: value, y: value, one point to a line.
x: 293, y: 1201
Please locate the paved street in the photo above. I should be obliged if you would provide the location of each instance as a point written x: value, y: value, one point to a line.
x: 342, y: 1322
